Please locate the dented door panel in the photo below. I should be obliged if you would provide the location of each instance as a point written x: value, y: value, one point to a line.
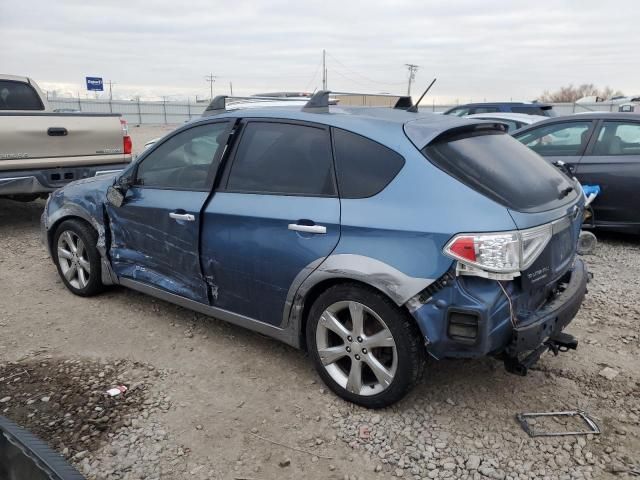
x: 149, y: 246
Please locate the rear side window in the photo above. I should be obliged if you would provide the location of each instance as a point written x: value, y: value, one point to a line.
x: 618, y: 138
x: 364, y: 166
x: 282, y: 158
x: 502, y: 169
x: 18, y: 96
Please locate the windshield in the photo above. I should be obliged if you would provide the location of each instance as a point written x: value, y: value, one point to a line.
x: 502, y: 169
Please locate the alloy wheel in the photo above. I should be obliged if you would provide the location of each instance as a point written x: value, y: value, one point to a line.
x: 73, y: 259
x: 356, y: 348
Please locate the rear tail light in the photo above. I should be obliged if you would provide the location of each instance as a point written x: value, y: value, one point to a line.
x: 127, y: 144
x: 501, y: 253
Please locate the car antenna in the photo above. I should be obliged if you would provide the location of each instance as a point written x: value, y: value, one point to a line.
x: 414, y: 107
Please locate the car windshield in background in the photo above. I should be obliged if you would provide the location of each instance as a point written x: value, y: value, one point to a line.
x: 502, y: 169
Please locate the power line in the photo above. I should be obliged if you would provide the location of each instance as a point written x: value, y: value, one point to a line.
x: 361, y: 75
x: 314, y: 76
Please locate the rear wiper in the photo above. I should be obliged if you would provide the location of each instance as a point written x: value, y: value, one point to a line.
x: 565, y: 192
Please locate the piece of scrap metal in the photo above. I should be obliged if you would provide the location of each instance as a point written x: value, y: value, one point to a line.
x: 592, y: 426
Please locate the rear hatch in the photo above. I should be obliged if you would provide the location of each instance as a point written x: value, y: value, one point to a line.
x: 534, y: 192
x: 43, y: 140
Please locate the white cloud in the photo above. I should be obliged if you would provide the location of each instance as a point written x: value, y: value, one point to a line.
x: 491, y: 49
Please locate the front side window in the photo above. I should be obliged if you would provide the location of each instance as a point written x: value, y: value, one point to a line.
x: 364, y: 167
x: 18, y: 96
x: 618, y: 138
x: 559, y: 139
x: 283, y: 158
x: 185, y: 160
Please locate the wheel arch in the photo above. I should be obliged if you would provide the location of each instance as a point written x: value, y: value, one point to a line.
x: 347, y: 268
x: 75, y: 212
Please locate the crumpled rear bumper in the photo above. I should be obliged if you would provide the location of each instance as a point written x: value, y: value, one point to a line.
x: 553, y: 317
x: 471, y: 317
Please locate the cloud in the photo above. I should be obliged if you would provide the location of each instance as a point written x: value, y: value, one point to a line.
x: 491, y: 49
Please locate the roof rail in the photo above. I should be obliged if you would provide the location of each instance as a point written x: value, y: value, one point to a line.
x: 319, y: 102
x: 219, y: 103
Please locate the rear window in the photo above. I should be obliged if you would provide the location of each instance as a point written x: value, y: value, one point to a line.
x: 501, y: 168
x: 534, y: 110
x: 18, y: 96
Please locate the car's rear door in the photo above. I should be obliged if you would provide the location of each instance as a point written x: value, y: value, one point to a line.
x: 613, y: 162
x: 564, y: 140
x: 155, y: 233
x: 275, y: 215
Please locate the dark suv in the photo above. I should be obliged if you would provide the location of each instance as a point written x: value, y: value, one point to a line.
x: 512, y: 107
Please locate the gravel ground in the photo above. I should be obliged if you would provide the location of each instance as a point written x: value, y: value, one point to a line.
x: 210, y: 400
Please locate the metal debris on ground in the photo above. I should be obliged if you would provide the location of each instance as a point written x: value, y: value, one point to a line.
x: 523, y: 419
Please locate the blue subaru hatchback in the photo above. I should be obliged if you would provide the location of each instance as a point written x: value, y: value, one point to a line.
x: 370, y: 237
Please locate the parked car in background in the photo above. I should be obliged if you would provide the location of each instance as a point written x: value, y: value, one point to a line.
x: 513, y: 121
x: 541, y: 109
x: 41, y: 150
x: 602, y: 149
x: 370, y: 237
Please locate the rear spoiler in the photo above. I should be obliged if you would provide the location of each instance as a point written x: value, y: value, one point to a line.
x: 441, y: 128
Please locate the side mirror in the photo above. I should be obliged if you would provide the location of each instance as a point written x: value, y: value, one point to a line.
x: 115, y: 196
x: 117, y: 192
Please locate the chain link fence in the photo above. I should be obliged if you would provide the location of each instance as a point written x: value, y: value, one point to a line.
x: 138, y: 112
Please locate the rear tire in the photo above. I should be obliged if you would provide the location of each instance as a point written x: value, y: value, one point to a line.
x: 77, y: 258
x: 366, y: 349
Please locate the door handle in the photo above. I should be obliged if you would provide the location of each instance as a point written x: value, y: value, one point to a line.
x: 57, y: 132
x: 308, y: 228
x: 183, y: 216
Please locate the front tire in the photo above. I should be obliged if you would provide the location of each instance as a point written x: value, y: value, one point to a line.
x: 77, y: 258
x: 366, y: 349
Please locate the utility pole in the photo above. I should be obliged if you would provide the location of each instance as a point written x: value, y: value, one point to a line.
x: 231, y: 88
x: 412, y: 75
x: 324, y: 69
x: 211, y: 78
x: 111, y: 84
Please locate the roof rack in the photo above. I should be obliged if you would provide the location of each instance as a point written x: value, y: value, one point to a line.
x: 219, y: 103
x: 319, y: 102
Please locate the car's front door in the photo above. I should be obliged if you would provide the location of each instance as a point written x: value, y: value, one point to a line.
x: 613, y: 163
x: 275, y: 213
x: 564, y: 141
x: 155, y: 232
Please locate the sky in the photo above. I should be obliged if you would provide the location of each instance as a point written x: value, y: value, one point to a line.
x: 478, y: 49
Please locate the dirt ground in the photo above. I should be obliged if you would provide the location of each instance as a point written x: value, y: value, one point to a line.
x: 211, y: 400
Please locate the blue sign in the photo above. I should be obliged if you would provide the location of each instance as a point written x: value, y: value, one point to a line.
x: 95, y: 83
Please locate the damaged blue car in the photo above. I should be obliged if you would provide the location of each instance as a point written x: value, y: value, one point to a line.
x: 370, y: 237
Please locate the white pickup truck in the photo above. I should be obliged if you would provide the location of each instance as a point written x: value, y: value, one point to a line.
x: 42, y: 150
